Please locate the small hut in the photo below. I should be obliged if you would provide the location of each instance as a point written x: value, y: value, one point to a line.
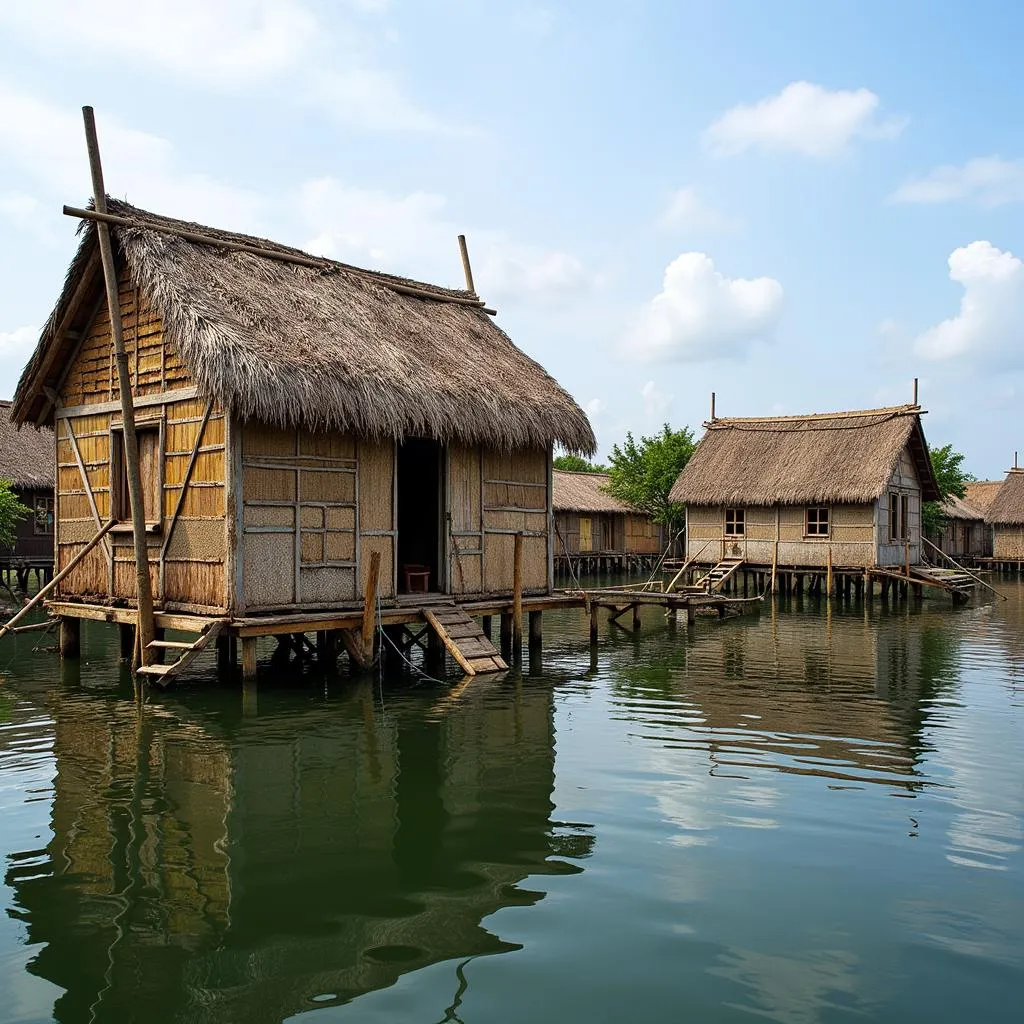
x: 964, y: 535
x: 595, y: 529
x: 804, y: 492
x: 296, y: 416
x: 26, y: 460
x: 1006, y: 517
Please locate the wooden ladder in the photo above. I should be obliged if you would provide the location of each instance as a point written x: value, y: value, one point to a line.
x: 188, y: 652
x: 716, y: 578
x: 464, y: 640
x: 948, y: 579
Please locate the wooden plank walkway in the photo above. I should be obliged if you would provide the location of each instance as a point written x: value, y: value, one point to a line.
x: 464, y: 640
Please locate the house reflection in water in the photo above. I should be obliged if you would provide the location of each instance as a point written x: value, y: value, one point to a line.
x: 210, y: 870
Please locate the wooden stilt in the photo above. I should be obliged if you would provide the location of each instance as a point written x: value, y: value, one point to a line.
x: 126, y: 640
x: 636, y: 617
x: 517, y: 598
x: 248, y: 659
x: 487, y: 626
x: 70, y: 637
x: 223, y: 657
x: 593, y: 622
x: 536, y: 629
x: 143, y: 589
x: 506, y: 635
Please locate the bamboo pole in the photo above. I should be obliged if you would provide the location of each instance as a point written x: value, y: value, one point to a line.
x: 59, y: 576
x: 466, y: 268
x: 828, y: 574
x: 143, y: 589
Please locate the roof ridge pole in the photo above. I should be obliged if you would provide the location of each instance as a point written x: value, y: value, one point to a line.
x: 916, y: 402
x: 466, y: 268
x: 712, y: 407
x: 144, y: 592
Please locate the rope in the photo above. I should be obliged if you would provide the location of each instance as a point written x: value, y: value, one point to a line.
x: 424, y: 677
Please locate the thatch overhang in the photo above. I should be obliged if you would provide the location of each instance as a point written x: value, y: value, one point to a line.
x: 826, y: 458
x: 961, y: 510
x: 326, y: 347
x: 27, y: 457
x: 981, y: 493
x: 1007, y: 508
x: 584, y: 492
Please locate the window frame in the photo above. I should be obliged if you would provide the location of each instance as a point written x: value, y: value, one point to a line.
x: 894, y: 517
x: 739, y: 523
x: 47, y: 505
x: 817, y: 533
x: 120, y: 502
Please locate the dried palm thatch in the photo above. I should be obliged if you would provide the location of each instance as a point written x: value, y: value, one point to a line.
x: 798, y: 460
x: 583, y: 492
x: 330, y: 347
x: 26, y: 458
x: 1007, y: 508
x: 981, y: 493
x: 961, y: 510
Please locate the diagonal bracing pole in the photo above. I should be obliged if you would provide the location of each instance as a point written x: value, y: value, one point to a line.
x: 144, y: 590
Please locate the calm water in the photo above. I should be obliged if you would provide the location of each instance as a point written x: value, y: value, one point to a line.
x: 802, y: 817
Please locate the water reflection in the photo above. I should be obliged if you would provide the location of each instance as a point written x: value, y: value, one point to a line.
x: 206, y: 866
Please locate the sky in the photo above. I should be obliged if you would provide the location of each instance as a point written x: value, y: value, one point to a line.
x: 798, y: 206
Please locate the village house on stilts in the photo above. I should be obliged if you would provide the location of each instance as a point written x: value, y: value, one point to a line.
x: 1005, y: 516
x: 311, y: 436
x: 827, y: 501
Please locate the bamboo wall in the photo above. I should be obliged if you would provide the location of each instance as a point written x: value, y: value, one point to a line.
x: 643, y: 536
x: 1008, y: 541
x: 904, y: 481
x: 188, y: 548
x: 851, y: 541
x: 613, y: 533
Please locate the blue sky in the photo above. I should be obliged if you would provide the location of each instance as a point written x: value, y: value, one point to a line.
x: 800, y: 206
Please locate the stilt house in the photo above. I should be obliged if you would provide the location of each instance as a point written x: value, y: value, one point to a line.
x: 1006, y: 517
x: 589, y: 521
x: 808, y: 491
x: 295, y: 415
x: 26, y: 460
x: 964, y: 535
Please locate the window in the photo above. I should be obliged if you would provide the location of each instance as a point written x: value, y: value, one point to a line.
x: 817, y: 524
x: 899, y: 517
x: 734, y: 522
x: 149, y: 470
x: 42, y: 520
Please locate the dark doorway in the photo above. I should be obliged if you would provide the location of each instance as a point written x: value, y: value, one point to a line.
x: 419, y: 515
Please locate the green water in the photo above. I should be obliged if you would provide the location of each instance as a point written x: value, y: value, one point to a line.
x: 801, y: 817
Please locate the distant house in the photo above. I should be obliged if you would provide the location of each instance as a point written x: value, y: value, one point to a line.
x: 27, y: 461
x: 964, y: 535
x: 981, y: 493
x: 1006, y: 517
x: 591, y: 523
x: 839, y: 488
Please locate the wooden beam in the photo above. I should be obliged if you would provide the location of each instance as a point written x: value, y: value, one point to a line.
x: 517, y: 597
x: 85, y: 482
x: 143, y: 590
x: 450, y: 644
x: 370, y: 604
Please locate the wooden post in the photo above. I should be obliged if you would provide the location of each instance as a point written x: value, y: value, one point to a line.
x: 126, y: 638
x: 593, y: 622
x: 223, y: 657
x: 466, y: 268
x: 143, y: 589
x: 248, y: 659
x: 70, y: 637
x: 517, y: 597
x: 828, y: 573
x: 636, y: 617
x: 536, y: 629
x: 487, y: 626
x: 906, y: 557
x: 506, y: 635
x: 370, y: 605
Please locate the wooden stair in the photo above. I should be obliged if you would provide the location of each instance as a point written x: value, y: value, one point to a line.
x: 163, y: 673
x: 958, y: 581
x: 716, y: 578
x: 464, y: 640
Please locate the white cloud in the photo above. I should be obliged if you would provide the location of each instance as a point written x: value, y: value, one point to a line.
x: 701, y: 314
x: 804, y: 118
x: 986, y: 180
x: 18, y: 343
x: 416, y: 235
x: 656, y: 404
x: 230, y: 42
x: 48, y: 144
x: 685, y: 209
x: 595, y: 408
x: 990, y: 323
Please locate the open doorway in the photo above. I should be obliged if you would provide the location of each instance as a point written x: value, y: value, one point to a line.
x: 419, y: 515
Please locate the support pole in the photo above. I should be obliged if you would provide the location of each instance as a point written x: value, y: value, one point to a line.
x: 126, y: 637
x: 466, y: 268
x: 828, y: 574
x: 506, y: 635
x: 70, y: 637
x: 517, y: 597
x: 370, y: 606
x: 248, y: 660
x: 143, y: 589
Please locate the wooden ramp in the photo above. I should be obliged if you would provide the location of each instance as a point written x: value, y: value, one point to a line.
x: 715, y: 580
x: 187, y: 652
x: 465, y: 640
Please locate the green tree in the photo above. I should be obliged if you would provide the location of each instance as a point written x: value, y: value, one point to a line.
x: 947, y: 464
x: 643, y: 472
x: 11, y: 511
x: 576, y: 464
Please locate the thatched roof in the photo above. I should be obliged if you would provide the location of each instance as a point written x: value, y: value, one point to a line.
x: 961, y: 510
x: 26, y: 456
x: 981, y: 493
x: 1007, y: 509
x: 328, y: 346
x: 799, y: 460
x: 583, y: 492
